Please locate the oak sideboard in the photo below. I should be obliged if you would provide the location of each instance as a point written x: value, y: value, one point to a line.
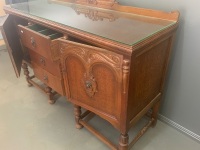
x: 107, y: 58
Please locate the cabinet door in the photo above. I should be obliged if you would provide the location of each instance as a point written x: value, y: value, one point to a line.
x: 11, y: 38
x: 93, y: 78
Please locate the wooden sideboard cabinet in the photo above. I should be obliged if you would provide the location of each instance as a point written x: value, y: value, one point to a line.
x: 107, y: 58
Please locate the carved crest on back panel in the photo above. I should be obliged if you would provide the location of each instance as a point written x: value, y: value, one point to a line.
x: 98, y: 2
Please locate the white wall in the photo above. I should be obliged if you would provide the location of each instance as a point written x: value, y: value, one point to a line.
x: 2, y: 3
x: 181, y: 102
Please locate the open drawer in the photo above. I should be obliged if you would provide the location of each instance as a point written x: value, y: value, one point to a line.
x: 38, y: 38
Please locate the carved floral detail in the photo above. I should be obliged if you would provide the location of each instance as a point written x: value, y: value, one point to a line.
x: 94, y: 14
x: 113, y: 60
x: 98, y: 2
x: 92, y: 1
x: 91, y: 56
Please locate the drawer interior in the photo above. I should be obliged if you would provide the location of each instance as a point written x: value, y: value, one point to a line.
x: 45, y: 31
x: 54, y: 34
x: 36, y: 27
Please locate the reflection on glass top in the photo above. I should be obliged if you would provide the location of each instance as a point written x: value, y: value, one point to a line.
x: 117, y: 26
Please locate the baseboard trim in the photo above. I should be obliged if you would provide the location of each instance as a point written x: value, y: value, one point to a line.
x: 179, y: 127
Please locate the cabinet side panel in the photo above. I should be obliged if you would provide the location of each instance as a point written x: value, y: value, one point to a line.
x: 148, y: 70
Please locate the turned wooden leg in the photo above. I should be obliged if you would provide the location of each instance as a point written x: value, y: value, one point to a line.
x: 77, y: 113
x: 123, y: 142
x: 155, y: 111
x: 48, y: 90
x: 26, y: 73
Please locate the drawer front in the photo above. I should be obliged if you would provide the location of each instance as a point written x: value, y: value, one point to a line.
x: 35, y: 41
x: 46, y: 64
x: 52, y: 81
x: 93, y: 78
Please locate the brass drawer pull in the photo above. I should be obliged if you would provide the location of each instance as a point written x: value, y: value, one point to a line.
x: 42, y: 61
x: 45, y: 78
x: 33, y: 43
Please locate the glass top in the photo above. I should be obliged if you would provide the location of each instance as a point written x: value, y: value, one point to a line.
x: 117, y: 26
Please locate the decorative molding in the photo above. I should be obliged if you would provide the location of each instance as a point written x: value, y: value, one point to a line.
x: 92, y: 2
x: 107, y: 3
x: 126, y: 68
x: 179, y: 127
x: 95, y: 15
x: 90, y: 55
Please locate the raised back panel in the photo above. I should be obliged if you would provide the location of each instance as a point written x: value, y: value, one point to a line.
x: 105, y: 3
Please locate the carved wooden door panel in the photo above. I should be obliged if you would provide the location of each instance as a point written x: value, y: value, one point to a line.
x: 11, y: 38
x: 93, y: 78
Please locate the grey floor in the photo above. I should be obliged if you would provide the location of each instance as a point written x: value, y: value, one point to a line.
x: 28, y: 122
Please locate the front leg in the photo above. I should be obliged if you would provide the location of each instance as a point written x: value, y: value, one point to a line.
x: 26, y: 73
x: 48, y: 90
x: 155, y: 111
x: 77, y: 113
x: 123, y: 142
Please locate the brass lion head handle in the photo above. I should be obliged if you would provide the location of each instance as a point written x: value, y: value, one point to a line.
x: 90, y: 85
